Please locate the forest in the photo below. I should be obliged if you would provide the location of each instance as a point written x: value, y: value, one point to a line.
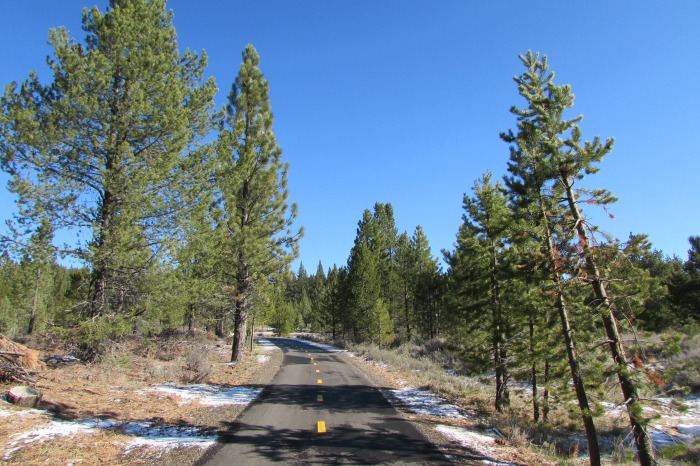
x: 177, y: 216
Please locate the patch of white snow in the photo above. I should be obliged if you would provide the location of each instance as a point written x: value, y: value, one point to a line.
x: 210, y: 395
x: 423, y: 402
x: 480, y: 443
x: 266, y: 344
x: 333, y: 349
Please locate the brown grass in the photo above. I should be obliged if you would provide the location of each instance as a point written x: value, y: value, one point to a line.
x: 116, y: 389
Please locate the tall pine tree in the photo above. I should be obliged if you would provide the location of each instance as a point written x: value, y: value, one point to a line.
x: 103, y: 146
x: 252, y: 184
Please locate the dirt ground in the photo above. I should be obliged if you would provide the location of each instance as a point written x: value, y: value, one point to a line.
x: 117, y: 389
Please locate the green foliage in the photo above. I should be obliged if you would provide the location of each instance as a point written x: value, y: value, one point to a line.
x: 254, y: 225
x: 105, y: 146
x: 92, y: 338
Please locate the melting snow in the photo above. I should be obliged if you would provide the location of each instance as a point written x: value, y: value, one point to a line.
x: 424, y: 402
x: 142, y: 433
x: 210, y: 395
x: 166, y: 437
x: 334, y: 349
x: 145, y: 434
x: 266, y: 344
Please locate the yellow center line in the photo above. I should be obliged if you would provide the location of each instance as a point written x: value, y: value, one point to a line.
x: 317, y: 371
x: 320, y: 381
x: 315, y: 364
x: 321, y: 425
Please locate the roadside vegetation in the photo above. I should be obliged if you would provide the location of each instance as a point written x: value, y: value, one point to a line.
x: 434, y: 366
x: 138, y: 405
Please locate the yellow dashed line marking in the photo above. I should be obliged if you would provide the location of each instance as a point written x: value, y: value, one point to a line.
x: 321, y: 427
x: 315, y: 364
x: 317, y: 371
x: 319, y: 398
x: 320, y: 381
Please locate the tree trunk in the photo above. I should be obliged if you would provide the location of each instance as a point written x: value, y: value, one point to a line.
x: 571, y: 353
x: 629, y: 389
x: 241, y: 314
x: 35, y: 303
x: 252, y: 334
x: 24, y: 396
x: 239, y: 331
x: 535, y: 397
x: 499, y: 337
x: 219, y: 324
x: 545, y: 395
x: 190, y: 319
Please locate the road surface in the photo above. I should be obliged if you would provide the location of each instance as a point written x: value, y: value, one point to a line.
x: 319, y: 410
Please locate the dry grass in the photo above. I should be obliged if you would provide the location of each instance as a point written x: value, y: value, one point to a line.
x: 555, y: 442
x: 116, y: 389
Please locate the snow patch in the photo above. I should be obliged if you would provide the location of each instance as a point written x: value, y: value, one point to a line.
x: 266, y: 345
x: 210, y: 395
x: 483, y: 444
x: 262, y: 358
x: 145, y: 434
x: 333, y: 349
x: 423, y: 402
x: 166, y: 437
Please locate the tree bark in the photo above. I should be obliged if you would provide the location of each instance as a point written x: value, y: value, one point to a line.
x: 629, y: 389
x: 241, y: 313
x: 535, y: 397
x: 571, y: 353
x: 35, y: 303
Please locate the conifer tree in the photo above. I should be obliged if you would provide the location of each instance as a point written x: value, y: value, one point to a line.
x: 406, y: 275
x: 572, y: 159
x: 478, y: 270
x: 102, y: 147
x: 39, y: 257
x: 536, y: 199
x: 252, y: 185
x: 555, y: 146
x: 427, y: 285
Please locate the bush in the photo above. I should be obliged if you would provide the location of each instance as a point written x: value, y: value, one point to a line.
x: 196, y: 368
x: 685, y: 370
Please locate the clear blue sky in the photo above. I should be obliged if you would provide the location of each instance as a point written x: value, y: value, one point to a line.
x: 402, y: 101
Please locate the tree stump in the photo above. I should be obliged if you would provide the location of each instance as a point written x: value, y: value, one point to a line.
x: 24, y: 396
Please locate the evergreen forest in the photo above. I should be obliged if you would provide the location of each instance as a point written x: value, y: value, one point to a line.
x: 142, y: 209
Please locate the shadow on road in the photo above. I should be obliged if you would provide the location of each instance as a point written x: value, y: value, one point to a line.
x: 344, y: 445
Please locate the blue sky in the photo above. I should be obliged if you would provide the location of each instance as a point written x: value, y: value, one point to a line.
x: 402, y: 101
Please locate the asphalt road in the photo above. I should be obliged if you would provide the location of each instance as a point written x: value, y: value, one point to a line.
x: 319, y: 410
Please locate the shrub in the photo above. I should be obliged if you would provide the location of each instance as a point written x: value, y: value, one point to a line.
x: 196, y: 368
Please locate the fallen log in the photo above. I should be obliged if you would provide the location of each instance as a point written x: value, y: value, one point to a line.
x: 24, y: 396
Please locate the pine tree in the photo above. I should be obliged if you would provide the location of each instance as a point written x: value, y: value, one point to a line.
x: 252, y: 184
x: 427, y: 286
x: 103, y: 147
x: 39, y: 256
x: 318, y: 298
x: 405, y: 260
x: 557, y: 143
x: 365, y: 289
x: 479, y: 272
x: 536, y: 199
